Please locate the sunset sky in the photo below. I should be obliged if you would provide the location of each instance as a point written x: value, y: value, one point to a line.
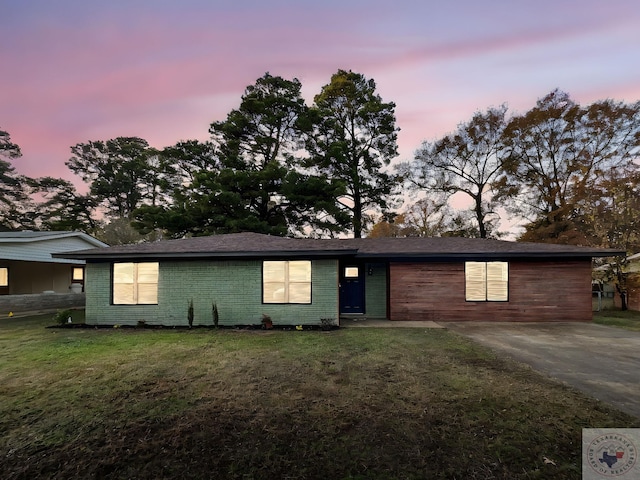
x: 78, y: 70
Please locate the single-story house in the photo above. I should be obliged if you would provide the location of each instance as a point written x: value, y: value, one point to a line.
x: 27, y: 265
x: 308, y: 281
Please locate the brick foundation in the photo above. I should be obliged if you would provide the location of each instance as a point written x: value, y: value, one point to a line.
x: 39, y: 302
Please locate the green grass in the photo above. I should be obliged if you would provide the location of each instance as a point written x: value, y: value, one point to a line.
x: 627, y: 319
x: 351, y: 404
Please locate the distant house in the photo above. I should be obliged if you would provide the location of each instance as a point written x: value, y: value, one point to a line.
x: 302, y: 281
x: 632, y: 271
x: 28, y: 267
x: 605, y: 290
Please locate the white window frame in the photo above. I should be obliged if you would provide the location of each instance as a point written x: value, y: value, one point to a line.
x: 136, y: 285
x: 486, y: 281
x: 284, y: 283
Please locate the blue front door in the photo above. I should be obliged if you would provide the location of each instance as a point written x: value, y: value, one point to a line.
x: 351, y: 288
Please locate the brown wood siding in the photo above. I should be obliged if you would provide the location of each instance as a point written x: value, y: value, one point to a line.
x: 538, y: 291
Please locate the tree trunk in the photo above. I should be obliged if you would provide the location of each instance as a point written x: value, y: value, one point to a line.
x: 619, y: 287
x: 480, y: 217
x: 357, y: 217
x: 623, y: 301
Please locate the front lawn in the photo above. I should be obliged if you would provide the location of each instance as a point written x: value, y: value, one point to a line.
x: 359, y: 403
x: 628, y: 319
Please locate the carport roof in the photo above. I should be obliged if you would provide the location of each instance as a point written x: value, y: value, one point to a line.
x: 30, y: 236
x: 257, y: 245
x: 30, y: 246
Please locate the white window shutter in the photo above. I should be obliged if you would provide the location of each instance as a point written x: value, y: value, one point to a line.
x: 497, y: 281
x: 475, y: 281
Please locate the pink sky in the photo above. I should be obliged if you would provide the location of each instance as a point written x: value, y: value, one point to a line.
x: 74, y: 71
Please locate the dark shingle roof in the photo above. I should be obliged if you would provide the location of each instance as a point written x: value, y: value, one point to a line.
x: 258, y: 246
x: 458, y: 246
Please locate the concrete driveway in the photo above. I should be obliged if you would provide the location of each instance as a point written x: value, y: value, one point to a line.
x: 603, y: 362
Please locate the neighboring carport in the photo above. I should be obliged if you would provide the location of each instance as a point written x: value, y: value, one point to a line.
x: 603, y: 362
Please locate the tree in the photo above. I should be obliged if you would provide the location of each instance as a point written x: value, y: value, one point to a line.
x: 311, y: 202
x: 15, y: 205
x: 612, y: 209
x: 187, y: 158
x: 558, y: 150
x: 260, y: 179
x: 462, y: 224
x: 468, y: 161
x: 428, y: 217
x: 8, y: 149
x: 119, y: 231
x: 122, y: 173
x: 63, y: 208
x: 181, y: 213
x: 248, y: 178
x: 256, y: 144
x: 254, y: 147
x: 612, y: 216
x: 352, y: 136
x: 432, y: 216
x: 392, y: 226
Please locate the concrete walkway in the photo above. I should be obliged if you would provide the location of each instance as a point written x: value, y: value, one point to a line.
x: 601, y: 361
x: 379, y: 323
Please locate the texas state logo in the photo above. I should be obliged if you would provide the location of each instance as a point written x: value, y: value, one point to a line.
x: 610, y: 454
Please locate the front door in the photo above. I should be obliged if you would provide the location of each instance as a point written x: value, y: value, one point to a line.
x: 351, y: 288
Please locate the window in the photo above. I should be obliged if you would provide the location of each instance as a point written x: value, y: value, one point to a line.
x: 351, y: 272
x: 135, y: 283
x: 4, y: 277
x: 286, y: 281
x: 77, y: 274
x: 486, y: 281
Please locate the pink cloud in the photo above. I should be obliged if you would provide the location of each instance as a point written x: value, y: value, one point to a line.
x: 164, y: 73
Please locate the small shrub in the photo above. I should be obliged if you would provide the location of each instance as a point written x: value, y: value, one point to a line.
x: 141, y: 323
x: 267, y: 323
x: 63, y: 316
x: 327, y: 323
x: 214, y: 314
x: 190, y: 313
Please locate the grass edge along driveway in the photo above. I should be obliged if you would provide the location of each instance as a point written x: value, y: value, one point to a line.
x: 351, y: 404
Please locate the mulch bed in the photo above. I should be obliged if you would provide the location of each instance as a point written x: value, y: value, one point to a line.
x: 195, y: 327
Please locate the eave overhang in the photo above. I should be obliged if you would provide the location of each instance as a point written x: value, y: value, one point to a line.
x: 103, y: 256
x: 462, y: 256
